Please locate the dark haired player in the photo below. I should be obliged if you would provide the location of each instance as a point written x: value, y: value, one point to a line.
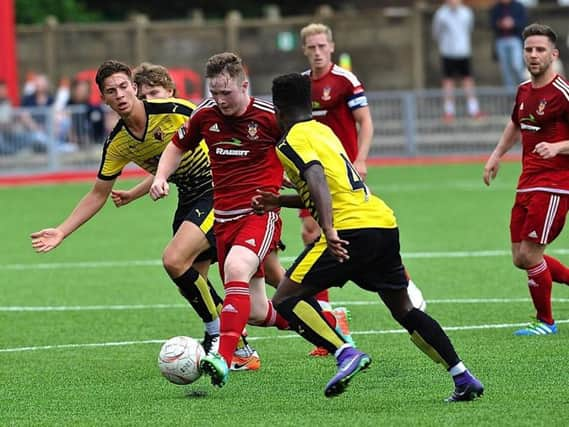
x: 363, y: 248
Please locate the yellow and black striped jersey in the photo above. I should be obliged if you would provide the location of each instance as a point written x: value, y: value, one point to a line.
x: 164, y: 118
x: 353, y: 206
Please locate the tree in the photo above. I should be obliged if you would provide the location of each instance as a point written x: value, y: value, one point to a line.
x: 35, y: 11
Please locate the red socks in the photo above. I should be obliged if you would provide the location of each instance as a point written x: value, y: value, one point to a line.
x: 322, y: 296
x: 540, y: 283
x: 273, y: 318
x: 559, y: 272
x: 233, y: 317
x: 330, y: 318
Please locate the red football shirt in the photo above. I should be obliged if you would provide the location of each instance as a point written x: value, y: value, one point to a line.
x: 241, y: 151
x: 542, y: 114
x: 334, y: 96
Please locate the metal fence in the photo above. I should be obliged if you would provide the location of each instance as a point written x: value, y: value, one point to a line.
x: 410, y: 123
x: 407, y: 123
x: 43, y: 139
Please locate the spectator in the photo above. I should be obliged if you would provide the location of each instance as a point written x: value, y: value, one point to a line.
x: 5, y: 120
x: 452, y: 26
x: 87, y: 120
x: 508, y: 18
x: 41, y: 95
x: 44, y: 126
x: 16, y: 131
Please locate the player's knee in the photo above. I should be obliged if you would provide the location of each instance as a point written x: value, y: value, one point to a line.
x: 236, y: 270
x: 174, y: 264
x: 522, y: 261
x: 398, y: 303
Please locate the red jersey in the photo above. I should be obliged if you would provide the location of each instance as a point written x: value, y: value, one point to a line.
x: 241, y: 151
x: 542, y: 114
x: 334, y: 96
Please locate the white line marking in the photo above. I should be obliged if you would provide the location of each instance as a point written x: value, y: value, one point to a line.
x: 287, y: 336
x: 285, y: 259
x: 185, y: 306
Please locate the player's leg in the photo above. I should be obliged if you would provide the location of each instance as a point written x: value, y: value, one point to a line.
x: 262, y: 313
x: 241, y: 244
x: 186, y: 260
x: 274, y: 271
x: 429, y: 337
x: 415, y: 294
x: 310, y: 232
x: 383, y: 272
x: 537, y: 219
x: 559, y: 271
x: 294, y: 302
x: 314, y: 269
x: 239, y: 266
x: 529, y: 256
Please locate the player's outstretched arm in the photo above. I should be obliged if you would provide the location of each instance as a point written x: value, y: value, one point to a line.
x: 169, y: 162
x: 49, y: 238
x: 124, y: 197
x: 509, y: 137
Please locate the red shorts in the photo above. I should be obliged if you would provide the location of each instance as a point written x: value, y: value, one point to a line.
x: 259, y: 233
x: 538, y: 217
x: 303, y: 213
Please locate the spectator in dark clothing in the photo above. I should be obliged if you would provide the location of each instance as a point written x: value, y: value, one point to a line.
x: 87, y: 120
x: 41, y: 96
x: 18, y: 130
x: 508, y: 18
x: 43, y: 126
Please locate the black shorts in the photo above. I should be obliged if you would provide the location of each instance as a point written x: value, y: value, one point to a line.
x: 455, y: 67
x: 374, y: 264
x: 199, y: 212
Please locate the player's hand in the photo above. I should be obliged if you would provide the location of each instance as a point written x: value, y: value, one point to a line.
x: 121, y: 197
x: 361, y: 168
x: 491, y: 170
x: 46, y: 239
x: 264, y: 201
x: 159, y: 189
x: 546, y: 150
x: 336, y: 245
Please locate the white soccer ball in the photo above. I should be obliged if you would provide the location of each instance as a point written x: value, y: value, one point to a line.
x: 179, y: 360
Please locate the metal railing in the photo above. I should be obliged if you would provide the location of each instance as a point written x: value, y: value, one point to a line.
x: 411, y: 123
x: 407, y: 123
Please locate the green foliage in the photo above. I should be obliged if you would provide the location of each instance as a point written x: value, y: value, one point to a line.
x: 36, y: 11
x: 442, y: 210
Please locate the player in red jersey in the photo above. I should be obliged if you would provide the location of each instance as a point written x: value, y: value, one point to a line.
x: 241, y: 133
x: 541, y: 117
x: 339, y: 101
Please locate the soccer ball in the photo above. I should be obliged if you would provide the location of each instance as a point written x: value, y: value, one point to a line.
x: 179, y: 360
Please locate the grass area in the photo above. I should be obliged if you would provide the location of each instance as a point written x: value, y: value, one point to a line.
x: 80, y: 328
